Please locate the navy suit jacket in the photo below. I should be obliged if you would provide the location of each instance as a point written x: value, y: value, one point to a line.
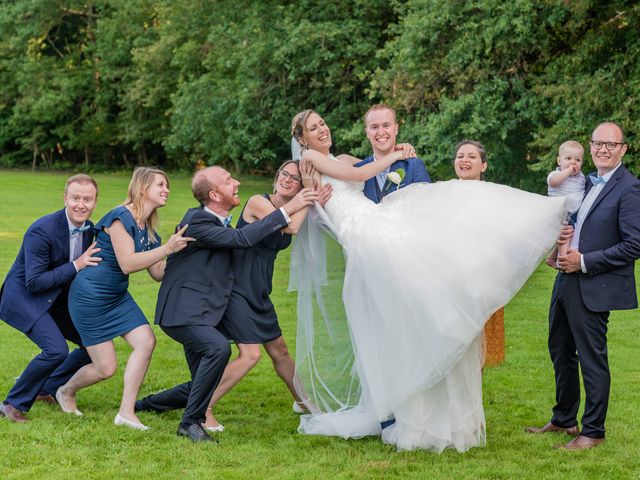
x: 414, y: 170
x: 610, y: 243
x: 41, y: 272
x: 197, y: 280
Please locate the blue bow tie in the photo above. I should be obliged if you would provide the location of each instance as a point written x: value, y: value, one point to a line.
x: 76, y: 230
x: 596, y: 180
x: 227, y: 221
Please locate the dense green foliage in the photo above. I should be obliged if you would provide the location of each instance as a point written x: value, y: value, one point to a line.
x: 104, y: 84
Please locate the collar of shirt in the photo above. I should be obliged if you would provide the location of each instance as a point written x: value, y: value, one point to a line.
x: 381, y: 177
x: 220, y: 217
x: 71, y: 225
x: 607, y: 176
x: 587, y: 203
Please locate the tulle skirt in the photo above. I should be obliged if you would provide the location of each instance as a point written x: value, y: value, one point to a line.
x: 424, y: 270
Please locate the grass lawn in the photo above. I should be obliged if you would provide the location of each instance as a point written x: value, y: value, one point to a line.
x: 260, y: 440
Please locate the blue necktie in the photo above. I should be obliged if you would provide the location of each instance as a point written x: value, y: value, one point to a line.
x: 596, y: 180
x: 84, y: 228
x: 227, y: 221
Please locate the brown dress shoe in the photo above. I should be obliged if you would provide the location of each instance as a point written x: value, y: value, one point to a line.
x: 12, y: 413
x: 48, y: 398
x: 581, y: 443
x: 550, y: 427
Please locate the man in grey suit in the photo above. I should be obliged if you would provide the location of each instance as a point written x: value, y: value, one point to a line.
x: 195, y: 291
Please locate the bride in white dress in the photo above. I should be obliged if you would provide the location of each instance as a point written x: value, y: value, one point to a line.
x: 423, y: 270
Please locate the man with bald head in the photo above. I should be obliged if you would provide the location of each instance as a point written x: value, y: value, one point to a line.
x: 195, y: 291
x: 596, y: 276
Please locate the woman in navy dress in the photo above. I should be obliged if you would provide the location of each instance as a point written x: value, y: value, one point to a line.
x: 99, y: 302
x: 250, y: 319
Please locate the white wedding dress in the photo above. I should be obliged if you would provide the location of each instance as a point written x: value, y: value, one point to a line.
x: 423, y: 271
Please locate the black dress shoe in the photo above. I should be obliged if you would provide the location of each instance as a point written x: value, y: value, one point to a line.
x: 387, y: 423
x: 141, y: 405
x: 195, y: 433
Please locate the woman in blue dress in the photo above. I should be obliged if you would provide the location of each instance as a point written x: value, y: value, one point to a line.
x: 250, y: 319
x: 99, y: 302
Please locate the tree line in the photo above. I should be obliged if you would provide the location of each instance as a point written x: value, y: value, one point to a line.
x: 108, y: 84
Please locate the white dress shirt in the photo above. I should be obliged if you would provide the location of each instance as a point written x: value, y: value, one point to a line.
x: 381, y: 177
x: 75, y: 241
x: 587, y: 203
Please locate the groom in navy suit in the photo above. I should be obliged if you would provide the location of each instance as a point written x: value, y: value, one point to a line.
x: 596, y: 276
x: 381, y: 128
x: 33, y: 298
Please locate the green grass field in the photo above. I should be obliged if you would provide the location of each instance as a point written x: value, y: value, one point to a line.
x: 260, y: 440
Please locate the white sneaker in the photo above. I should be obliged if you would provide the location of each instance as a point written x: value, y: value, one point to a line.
x: 121, y: 421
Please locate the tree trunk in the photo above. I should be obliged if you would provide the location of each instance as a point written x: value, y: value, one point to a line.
x: 126, y: 160
x: 86, y: 158
x: 34, y: 161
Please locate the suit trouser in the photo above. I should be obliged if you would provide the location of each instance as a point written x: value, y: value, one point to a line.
x: 207, y: 352
x: 54, y: 365
x: 578, y: 336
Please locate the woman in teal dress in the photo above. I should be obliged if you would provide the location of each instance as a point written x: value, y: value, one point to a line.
x: 99, y: 301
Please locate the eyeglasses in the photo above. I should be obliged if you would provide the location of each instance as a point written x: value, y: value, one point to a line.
x: 293, y: 178
x: 597, y: 144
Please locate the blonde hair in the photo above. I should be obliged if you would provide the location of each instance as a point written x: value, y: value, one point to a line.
x: 141, y: 180
x: 82, y: 179
x: 380, y: 106
x: 571, y: 144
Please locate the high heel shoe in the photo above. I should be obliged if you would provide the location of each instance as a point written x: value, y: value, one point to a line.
x: 121, y: 421
x: 60, y: 400
x: 298, y: 407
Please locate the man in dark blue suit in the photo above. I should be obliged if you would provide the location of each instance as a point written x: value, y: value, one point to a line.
x: 381, y: 128
x: 596, y: 276
x: 33, y: 298
x: 195, y: 291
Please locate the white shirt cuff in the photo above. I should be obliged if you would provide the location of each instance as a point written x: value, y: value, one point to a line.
x: 286, y: 217
x: 582, y: 267
x: 75, y: 266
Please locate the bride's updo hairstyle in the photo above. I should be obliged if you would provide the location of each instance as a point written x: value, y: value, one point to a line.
x: 298, y: 125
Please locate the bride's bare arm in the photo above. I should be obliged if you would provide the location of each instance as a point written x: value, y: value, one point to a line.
x: 407, y: 149
x: 348, y: 158
x: 346, y: 171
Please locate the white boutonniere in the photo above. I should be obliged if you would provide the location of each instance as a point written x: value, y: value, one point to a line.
x: 396, y: 178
